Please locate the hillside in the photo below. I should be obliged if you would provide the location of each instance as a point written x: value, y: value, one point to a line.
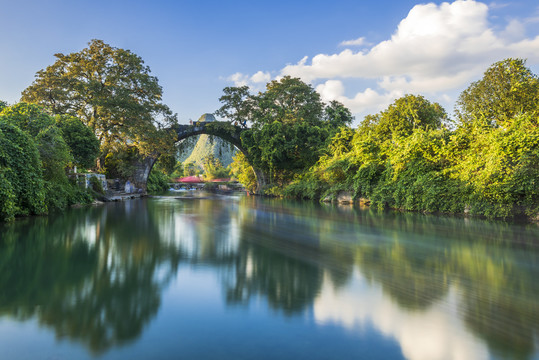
x: 205, y: 146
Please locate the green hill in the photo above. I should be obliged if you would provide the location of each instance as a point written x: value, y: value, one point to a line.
x: 205, y: 146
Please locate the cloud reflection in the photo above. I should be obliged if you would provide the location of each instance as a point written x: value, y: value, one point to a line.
x: 437, y: 332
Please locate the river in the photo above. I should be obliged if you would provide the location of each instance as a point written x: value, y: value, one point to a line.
x: 252, y: 278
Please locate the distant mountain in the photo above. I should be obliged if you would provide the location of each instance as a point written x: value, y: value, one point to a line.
x: 204, y: 146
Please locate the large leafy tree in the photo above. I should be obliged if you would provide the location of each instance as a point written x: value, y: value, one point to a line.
x: 111, y: 91
x: 288, y: 100
x: 289, y: 125
x: 237, y: 105
x: 403, y: 116
x: 508, y: 88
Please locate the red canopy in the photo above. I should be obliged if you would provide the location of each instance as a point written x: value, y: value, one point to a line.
x: 220, y: 180
x: 190, y: 179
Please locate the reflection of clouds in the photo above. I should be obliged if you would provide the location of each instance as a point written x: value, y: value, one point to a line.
x: 87, y: 233
x: 200, y: 234
x: 435, y: 333
x: 179, y: 229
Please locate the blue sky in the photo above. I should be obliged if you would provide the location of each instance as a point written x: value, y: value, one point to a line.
x: 362, y: 53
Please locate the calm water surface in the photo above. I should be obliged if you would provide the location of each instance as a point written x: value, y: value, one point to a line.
x: 248, y: 278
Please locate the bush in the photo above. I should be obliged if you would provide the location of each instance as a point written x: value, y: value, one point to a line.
x: 22, y: 188
x: 157, y: 182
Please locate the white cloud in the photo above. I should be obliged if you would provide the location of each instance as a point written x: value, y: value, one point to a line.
x: 261, y: 77
x: 496, y: 5
x: 239, y: 79
x: 367, y: 101
x: 357, y: 42
x: 435, y: 51
x: 514, y: 30
x: 331, y: 90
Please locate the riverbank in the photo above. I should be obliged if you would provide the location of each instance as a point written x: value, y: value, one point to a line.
x: 344, y: 197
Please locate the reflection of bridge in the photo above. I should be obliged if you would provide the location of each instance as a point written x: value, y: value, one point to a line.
x: 222, y: 129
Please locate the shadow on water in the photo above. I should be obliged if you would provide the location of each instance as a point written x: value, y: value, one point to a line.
x: 96, y: 275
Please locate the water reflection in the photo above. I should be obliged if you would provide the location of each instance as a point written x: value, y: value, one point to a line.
x: 443, y: 288
x: 90, y: 275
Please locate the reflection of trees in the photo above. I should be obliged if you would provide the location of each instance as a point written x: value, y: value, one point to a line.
x: 91, y: 275
x: 404, y: 275
x: 280, y: 257
x: 414, y: 258
x: 289, y: 284
x: 500, y: 296
x: 417, y: 258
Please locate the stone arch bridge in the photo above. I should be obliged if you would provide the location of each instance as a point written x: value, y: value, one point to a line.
x: 224, y: 130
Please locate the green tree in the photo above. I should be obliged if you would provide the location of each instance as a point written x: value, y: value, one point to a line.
x: 288, y: 100
x: 403, y: 116
x: 237, y: 105
x: 177, y: 171
x: 213, y: 168
x: 338, y: 115
x: 30, y: 118
x: 243, y: 172
x: 82, y: 142
x: 112, y: 92
x: 508, y: 88
x: 290, y: 125
x: 190, y: 169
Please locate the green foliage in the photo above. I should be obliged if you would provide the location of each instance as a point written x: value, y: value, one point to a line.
x: 406, y: 114
x: 54, y: 153
x: 120, y: 164
x: 112, y: 92
x: 337, y: 115
x: 213, y: 169
x: 22, y: 189
x: 34, y: 186
x: 288, y: 100
x: 30, y: 118
x: 243, y: 172
x: 166, y: 164
x: 307, y: 186
x: 82, y: 142
x: 190, y: 169
x: 283, y: 149
x: 290, y: 126
x: 157, y: 182
x: 506, y: 90
x: 403, y: 157
x: 237, y: 105
x: 501, y: 168
x: 53, y: 150
x: 177, y: 172
x: 415, y: 177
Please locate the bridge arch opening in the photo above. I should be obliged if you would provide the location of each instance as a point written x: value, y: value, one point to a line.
x: 226, y: 131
